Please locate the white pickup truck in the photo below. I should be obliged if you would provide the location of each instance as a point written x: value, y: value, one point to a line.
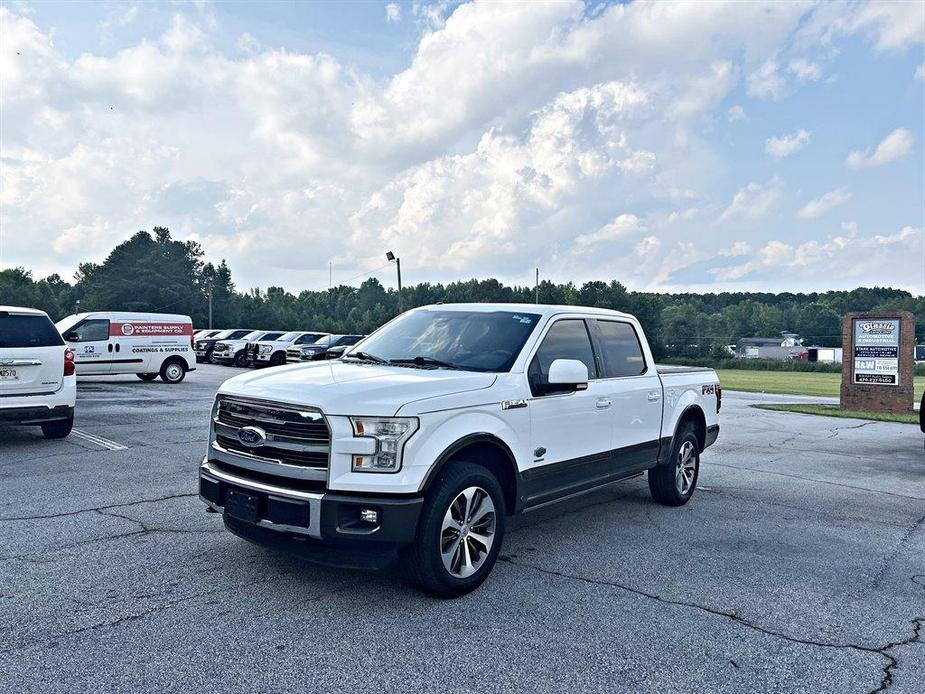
x: 430, y: 432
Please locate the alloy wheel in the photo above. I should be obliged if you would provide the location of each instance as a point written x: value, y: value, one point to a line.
x: 468, y: 532
x: 686, y: 470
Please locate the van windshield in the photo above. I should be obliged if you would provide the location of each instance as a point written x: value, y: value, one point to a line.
x: 467, y: 340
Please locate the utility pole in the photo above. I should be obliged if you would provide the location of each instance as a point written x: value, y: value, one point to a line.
x: 210, y: 307
x: 330, y: 273
x: 390, y: 257
x: 536, y: 287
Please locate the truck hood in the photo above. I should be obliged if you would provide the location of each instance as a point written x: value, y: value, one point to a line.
x: 344, y: 388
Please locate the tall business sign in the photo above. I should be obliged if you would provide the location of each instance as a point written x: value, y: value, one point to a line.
x: 878, y: 375
x: 876, y: 351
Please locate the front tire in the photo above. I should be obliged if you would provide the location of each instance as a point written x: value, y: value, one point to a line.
x: 674, y: 484
x: 278, y: 359
x: 58, y: 429
x: 460, y: 531
x: 172, y: 372
x: 240, y: 359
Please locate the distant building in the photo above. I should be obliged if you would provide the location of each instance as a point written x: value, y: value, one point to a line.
x: 787, y: 346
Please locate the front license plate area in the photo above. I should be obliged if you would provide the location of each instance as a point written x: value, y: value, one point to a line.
x: 241, y: 505
x: 8, y: 374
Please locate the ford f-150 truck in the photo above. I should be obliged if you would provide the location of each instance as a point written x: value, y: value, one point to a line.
x: 428, y: 434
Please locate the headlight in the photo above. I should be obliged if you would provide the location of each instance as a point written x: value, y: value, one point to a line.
x: 391, y: 434
x: 220, y: 347
x: 266, y: 349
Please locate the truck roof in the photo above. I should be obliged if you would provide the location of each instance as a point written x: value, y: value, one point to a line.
x: 541, y: 309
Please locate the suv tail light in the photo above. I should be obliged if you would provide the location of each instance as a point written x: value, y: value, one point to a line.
x: 719, y: 397
x: 69, y: 362
x: 192, y: 342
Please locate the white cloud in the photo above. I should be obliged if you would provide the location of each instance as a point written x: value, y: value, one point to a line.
x: 752, y: 202
x: 514, y: 130
x: 766, y: 82
x: 894, y: 146
x: 785, y: 145
x: 621, y: 227
x: 821, y: 205
x: 895, y: 24
x: 854, y: 255
x: 804, y: 70
x: 920, y: 72
x: 392, y: 12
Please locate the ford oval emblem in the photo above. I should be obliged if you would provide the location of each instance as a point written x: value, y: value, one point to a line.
x: 252, y: 436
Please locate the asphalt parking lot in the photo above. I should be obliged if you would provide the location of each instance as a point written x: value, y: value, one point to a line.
x: 799, y: 565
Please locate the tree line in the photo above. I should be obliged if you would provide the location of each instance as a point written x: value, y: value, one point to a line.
x: 154, y: 272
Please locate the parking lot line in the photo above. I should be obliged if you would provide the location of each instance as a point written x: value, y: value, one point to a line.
x: 99, y: 441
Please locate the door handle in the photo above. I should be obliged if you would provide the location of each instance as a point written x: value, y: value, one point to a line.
x: 655, y: 396
x: 117, y: 346
x: 109, y: 347
x: 603, y: 403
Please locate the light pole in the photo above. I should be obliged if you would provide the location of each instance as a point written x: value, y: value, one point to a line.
x: 390, y: 257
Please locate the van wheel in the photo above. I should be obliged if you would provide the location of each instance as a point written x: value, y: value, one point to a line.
x: 674, y: 484
x: 172, y: 371
x: 460, y: 531
x: 278, y: 359
x: 58, y: 429
x: 147, y: 377
x: 240, y: 359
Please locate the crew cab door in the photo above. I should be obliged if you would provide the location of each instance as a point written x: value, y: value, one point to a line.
x: 570, y: 436
x: 633, y: 393
x: 93, y: 350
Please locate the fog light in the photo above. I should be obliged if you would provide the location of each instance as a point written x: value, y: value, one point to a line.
x: 369, y: 515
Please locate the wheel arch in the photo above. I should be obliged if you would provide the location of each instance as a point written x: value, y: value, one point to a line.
x: 488, y: 451
x: 175, y: 357
x: 693, y: 414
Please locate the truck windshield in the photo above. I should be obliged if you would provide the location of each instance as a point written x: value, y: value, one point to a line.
x: 289, y: 337
x: 467, y: 340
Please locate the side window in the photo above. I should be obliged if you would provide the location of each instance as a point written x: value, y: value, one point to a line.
x: 90, y: 331
x: 621, y: 349
x: 566, y: 339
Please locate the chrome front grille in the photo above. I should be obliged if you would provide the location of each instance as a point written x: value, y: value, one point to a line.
x: 293, y: 354
x: 285, y: 434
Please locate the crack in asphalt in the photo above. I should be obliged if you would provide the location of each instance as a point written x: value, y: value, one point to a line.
x: 883, y: 651
x: 812, y: 479
x: 52, y: 640
x: 64, y: 514
x: 887, y: 560
x: 835, y: 430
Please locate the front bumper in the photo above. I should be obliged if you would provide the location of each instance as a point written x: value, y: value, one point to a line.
x: 332, y: 518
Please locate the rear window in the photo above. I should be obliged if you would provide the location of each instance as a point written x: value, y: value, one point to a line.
x: 28, y: 331
x: 621, y: 349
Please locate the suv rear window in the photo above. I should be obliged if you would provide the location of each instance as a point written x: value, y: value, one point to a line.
x: 28, y: 331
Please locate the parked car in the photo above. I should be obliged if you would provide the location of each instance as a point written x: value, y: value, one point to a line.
x: 317, y: 351
x: 233, y: 352
x: 122, y: 342
x: 206, y: 345
x: 437, y: 427
x: 38, y: 385
x: 273, y: 352
x: 203, y: 334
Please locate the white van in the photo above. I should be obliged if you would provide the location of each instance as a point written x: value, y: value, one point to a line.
x: 120, y: 342
x: 37, y: 383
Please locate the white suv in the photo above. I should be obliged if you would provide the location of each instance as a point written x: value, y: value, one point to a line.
x: 37, y: 381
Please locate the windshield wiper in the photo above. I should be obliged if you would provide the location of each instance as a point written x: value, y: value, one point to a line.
x: 424, y: 361
x: 366, y: 356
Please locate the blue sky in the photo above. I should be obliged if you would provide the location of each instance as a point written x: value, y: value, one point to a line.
x: 672, y: 146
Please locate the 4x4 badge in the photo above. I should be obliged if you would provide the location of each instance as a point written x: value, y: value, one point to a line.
x: 513, y: 404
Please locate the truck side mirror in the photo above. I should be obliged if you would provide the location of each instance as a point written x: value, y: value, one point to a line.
x: 568, y: 374
x: 72, y: 336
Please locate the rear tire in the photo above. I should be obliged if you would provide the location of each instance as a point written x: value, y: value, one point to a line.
x: 674, y: 483
x: 172, y: 371
x: 459, y: 533
x: 147, y: 377
x: 58, y: 429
